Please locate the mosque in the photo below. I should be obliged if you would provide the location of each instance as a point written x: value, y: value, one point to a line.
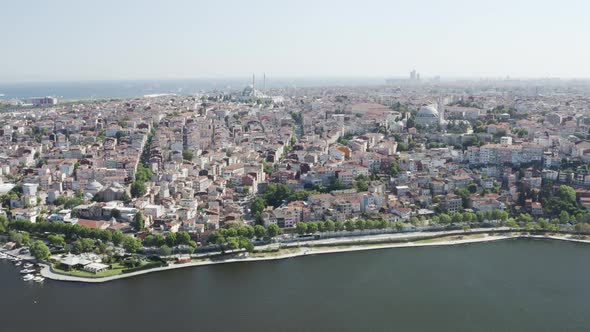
x: 250, y: 93
x: 428, y: 115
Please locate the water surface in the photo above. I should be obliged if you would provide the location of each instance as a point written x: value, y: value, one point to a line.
x: 513, y: 285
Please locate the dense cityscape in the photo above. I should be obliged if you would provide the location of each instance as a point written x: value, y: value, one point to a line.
x: 106, y: 187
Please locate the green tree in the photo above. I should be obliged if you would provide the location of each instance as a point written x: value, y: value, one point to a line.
x: 117, y: 238
x: 301, y: 228
x: 272, y: 230
x: 259, y: 231
x: 131, y: 244
x: 330, y: 225
x: 564, y: 217
x: 360, y: 224
x: 139, y: 222
x: 138, y: 189
x: 39, y: 250
x: 246, y: 231
x: 165, y: 251
x: 171, y: 239
x: 257, y: 206
x: 349, y: 225
x: 444, y: 218
x: 312, y: 227
x: 182, y: 238
x: 187, y: 155
x: 115, y: 213
x: 56, y: 240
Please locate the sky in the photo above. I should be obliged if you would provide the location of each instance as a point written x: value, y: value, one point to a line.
x: 61, y: 40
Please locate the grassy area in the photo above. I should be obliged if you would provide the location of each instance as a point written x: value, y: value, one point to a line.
x: 274, y: 253
x: 452, y: 238
x: 117, y: 269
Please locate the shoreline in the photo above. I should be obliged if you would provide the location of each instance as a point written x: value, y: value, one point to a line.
x: 47, y: 272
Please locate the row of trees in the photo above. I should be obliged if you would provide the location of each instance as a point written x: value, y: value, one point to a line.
x: 143, y: 175
x: 349, y: 225
x: 234, y: 237
x: 170, y: 240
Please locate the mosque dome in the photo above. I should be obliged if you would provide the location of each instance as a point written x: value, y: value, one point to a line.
x: 427, y: 112
x: 94, y: 185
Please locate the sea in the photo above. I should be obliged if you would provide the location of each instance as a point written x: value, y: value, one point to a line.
x: 509, y: 285
x: 122, y: 89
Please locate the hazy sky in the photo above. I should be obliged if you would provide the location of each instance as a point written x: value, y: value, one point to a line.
x: 123, y: 39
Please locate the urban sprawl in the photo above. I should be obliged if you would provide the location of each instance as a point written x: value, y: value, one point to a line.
x: 114, y: 185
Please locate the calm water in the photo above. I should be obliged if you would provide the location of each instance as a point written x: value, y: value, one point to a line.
x: 520, y: 285
x: 121, y: 89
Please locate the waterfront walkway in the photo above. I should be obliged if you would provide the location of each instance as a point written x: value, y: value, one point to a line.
x: 308, y: 249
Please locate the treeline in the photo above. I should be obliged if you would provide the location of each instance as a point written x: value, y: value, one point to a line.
x: 349, y: 225
x: 234, y: 237
x: 170, y: 240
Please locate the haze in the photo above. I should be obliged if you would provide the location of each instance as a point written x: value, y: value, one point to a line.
x: 104, y: 40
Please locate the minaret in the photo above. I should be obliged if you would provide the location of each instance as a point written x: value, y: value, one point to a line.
x: 441, y: 110
x: 253, y: 81
x: 264, y: 82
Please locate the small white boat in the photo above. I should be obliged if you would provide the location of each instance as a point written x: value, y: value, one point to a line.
x: 18, y: 263
x: 28, y: 277
x: 28, y: 266
x: 27, y: 271
x: 38, y: 279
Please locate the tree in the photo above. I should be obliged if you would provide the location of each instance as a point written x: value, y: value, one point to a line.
x: 457, y: 218
x: 246, y: 231
x: 187, y: 155
x: 349, y: 225
x: 259, y: 231
x: 330, y: 225
x: 312, y: 227
x: 115, y: 213
x: 131, y: 244
x: 117, y: 238
x: 39, y: 250
x: 272, y: 230
x: 339, y: 226
x: 56, y: 240
x: 257, y: 206
x: 138, y: 189
x: 125, y: 198
x: 582, y: 228
x: 564, y: 217
x: 301, y: 228
x: 444, y: 218
x: 182, y: 238
x: 83, y: 245
x: 511, y: 223
x: 138, y: 221
x: 321, y: 226
x: 171, y: 239
x: 360, y: 224
x: 525, y: 218
x: 165, y: 251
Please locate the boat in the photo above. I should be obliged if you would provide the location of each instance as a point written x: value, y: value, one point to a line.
x: 27, y: 271
x: 38, y: 279
x: 28, y: 266
x: 28, y: 277
x: 18, y: 263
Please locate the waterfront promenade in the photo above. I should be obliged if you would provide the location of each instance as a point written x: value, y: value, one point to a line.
x: 324, y: 247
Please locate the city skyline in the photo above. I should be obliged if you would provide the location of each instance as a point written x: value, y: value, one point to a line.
x: 69, y: 41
